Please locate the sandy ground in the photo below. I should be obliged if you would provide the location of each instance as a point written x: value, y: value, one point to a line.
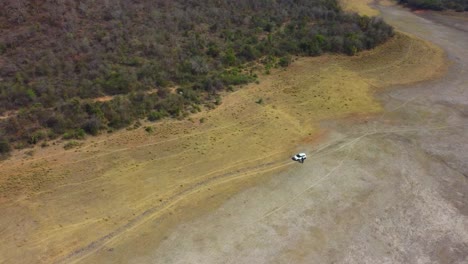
x: 385, y: 182
x: 390, y: 189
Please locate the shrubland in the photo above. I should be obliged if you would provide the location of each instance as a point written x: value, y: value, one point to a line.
x: 457, y: 5
x: 154, y: 58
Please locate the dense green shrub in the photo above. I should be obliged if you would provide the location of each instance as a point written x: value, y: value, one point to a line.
x: 156, y: 115
x: 74, y: 134
x: 235, y: 78
x: 4, y: 146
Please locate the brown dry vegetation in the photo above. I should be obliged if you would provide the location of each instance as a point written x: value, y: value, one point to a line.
x: 64, y: 205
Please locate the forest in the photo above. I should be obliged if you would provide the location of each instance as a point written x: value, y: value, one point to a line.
x: 457, y: 5
x: 152, y: 59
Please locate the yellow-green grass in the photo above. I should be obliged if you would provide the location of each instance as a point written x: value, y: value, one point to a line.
x: 359, y: 6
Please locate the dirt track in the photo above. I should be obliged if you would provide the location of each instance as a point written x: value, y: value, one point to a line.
x: 380, y: 188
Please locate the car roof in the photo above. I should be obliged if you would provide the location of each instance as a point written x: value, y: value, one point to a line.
x: 301, y: 154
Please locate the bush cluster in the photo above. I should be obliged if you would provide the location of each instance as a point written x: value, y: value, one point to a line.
x: 457, y: 5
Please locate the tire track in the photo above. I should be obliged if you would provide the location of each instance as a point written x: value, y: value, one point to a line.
x: 277, y: 209
x: 156, y: 211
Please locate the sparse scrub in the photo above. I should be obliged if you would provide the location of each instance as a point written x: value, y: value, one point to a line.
x: 71, y: 144
x: 149, y: 129
x: 284, y: 61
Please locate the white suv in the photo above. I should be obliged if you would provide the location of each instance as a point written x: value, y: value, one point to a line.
x: 299, y: 156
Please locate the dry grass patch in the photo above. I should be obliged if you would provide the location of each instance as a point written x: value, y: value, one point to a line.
x: 402, y: 60
x: 359, y: 6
